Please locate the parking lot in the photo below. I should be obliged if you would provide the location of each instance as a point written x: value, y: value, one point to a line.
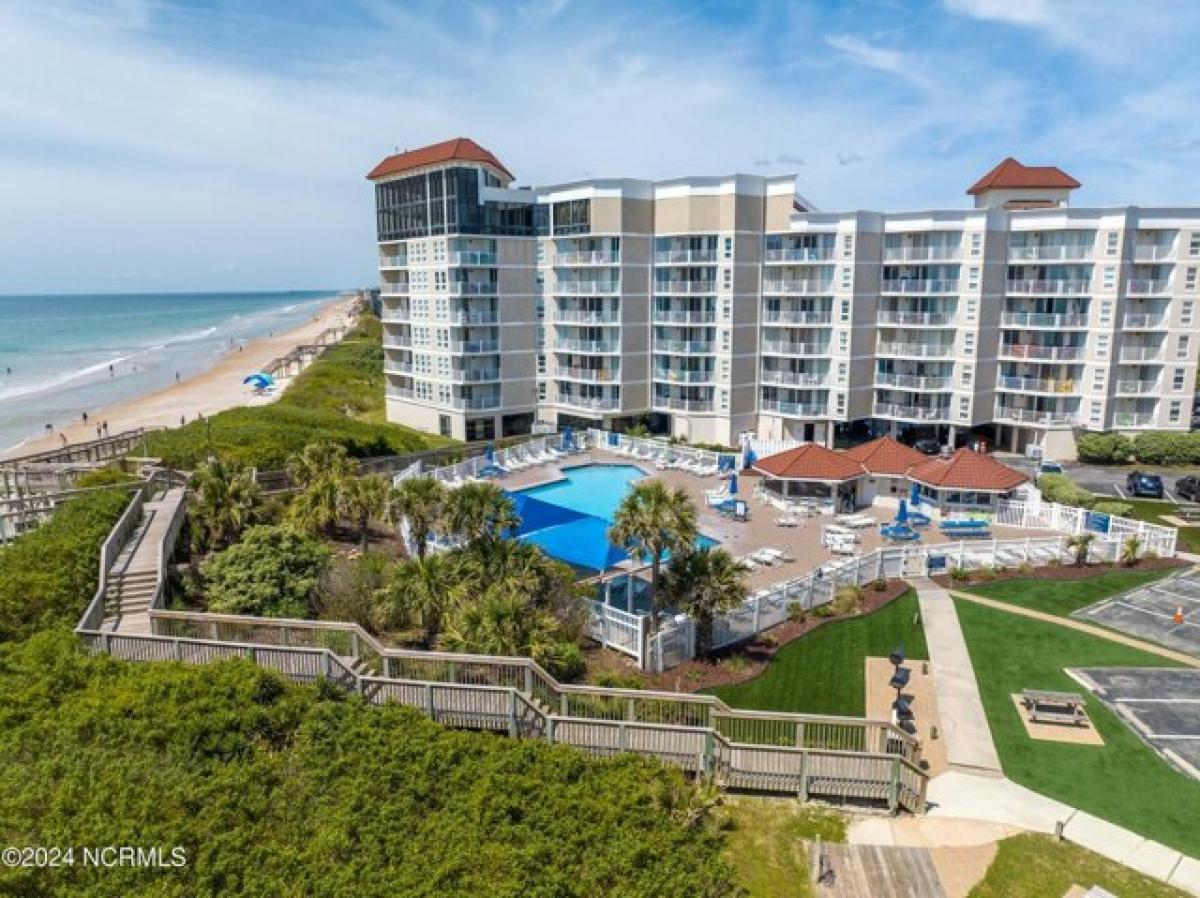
x: 1104, y: 480
x: 1149, y: 612
x: 1161, y: 705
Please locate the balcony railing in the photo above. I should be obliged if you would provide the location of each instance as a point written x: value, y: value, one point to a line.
x: 473, y: 258
x: 397, y: 367
x: 474, y: 317
x: 588, y: 257
x: 471, y: 288
x: 917, y: 319
x: 911, y: 412
x: 1052, y: 252
x: 1060, y: 287
x: 685, y: 256
x: 389, y: 289
x: 598, y: 403
x: 683, y: 405
x: 683, y: 347
x: 1140, y: 321
x: 918, y: 285
x: 1138, y: 387
x: 800, y: 254
x: 587, y: 316
x: 1053, y: 320
x: 401, y: 393
x: 472, y: 375
x: 589, y: 375
x: 390, y: 342
x: 393, y: 261
x: 920, y: 253
x: 690, y: 288
x: 1141, y: 354
x: 1148, y: 286
x: 1036, y: 384
x: 790, y: 316
x: 1035, y: 351
x: 395, y: 316
x: 917, y: 350
x: 782, y: 347
x: 592, y: 346
x: 1153, y: 252
x: 796, y: 378
x: 805, y: 286
x: 685, y: 375
x: 474, y: 347
x: 586, y: 288
x: 684, y: 316
x: 1133, y: 419
x: 795, y: 409
x: 913, y: 381
x: 473, y: 403
x: 1033, y: 416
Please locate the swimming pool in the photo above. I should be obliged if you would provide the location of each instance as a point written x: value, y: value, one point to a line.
x: 569, y: 519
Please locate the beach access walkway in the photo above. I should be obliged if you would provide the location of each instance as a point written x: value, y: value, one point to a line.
x: 135, y: 575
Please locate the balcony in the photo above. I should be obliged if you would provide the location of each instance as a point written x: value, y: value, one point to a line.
x: 474, y: 347
x: 586, y: 288
x: 913, y: 381
x: 919, y: 286
x: 1148, y: 286
x: 486, y: 316
x: 473, y: 375
x: 782, y: 347
x: 401, y: 393
x: 1141, y: 354
x: 473, y: 259
x: 685, y: 288
x: 911, y: 412
x: 390, y: 289
x: 1146, y: 322
x: 1153, y: 252
x: 596, y: 347
x: 684, y: 347
x: 1033, y: 416
x: 1036, y: 385
x: 817, y: 286
x: 789, y: 316
x: 587, y: 316
x: 473, y: 403
x: 800, y: 254
x: 921, y: 253
x: 795, y: 378
x: 396, y: 316
x: 393, y: 261
x: 686, y: 316
x: 390, y: 367
x: 683, y: 405
x: 587, y: 375
x: 390, y: 342
x: 1133, y: 419
x: 917, y: 319
x: 795, y: 409
x: 1138, y: 387
x: 1036, y: 351
x: 588, y: 257
x: 685, y: 256
x: 1050, y: 253
x: 1058, y: 287
x: 917, y: 350
x: 685, y: 375
x: 471, y: 288
x: 595, y: 403
x: 1053, y: 320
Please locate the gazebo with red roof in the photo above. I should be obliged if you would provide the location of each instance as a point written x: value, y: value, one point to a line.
x: 886, y: 461
x: 965, y: 480
x: 811, y: 471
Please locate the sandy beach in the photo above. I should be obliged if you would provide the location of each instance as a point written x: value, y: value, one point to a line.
x: 212, y: 391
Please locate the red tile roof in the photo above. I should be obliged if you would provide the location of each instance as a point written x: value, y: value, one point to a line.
x: 885, y: 456
x: 809, y: 462
x: 460, y: 148
x: 967, y: 470
x: 1011, y: 174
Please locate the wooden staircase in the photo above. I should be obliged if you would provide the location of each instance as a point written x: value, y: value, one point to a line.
x: 132, y: 581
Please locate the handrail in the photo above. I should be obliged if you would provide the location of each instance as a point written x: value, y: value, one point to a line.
x: 109, y: 550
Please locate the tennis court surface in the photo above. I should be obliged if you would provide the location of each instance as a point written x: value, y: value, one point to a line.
x: 1166, y: 611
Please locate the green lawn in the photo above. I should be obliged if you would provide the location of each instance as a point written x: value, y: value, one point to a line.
x: 822, y: 673
x: 1152, y: 511
x: 1036, y: 866
x: 1123, y: 781
x: 1062, y: 597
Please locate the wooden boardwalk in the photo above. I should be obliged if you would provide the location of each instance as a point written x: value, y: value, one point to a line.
x: 880, y: 871
x: 134, y: 577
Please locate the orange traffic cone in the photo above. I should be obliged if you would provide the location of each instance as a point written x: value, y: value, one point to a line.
x: 1178, y: 616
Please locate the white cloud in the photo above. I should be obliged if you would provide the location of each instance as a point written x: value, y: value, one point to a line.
x: 881, y: 58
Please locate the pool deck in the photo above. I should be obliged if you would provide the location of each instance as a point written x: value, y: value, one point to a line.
x: 802, y: 542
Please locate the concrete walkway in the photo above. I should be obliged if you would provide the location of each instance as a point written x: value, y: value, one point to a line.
x: 965, y: 729
x: 1090, y: 629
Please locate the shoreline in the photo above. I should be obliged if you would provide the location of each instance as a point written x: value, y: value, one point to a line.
x: 213, y: 390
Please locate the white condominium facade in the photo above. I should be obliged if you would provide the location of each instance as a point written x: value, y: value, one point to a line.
x: 716, y: 306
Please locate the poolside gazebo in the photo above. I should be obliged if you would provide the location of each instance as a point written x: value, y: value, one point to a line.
x: 813, y: 472
x: 966, y: 481
x: 887, y: 462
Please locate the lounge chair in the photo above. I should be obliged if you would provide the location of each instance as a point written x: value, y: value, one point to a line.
x: 776, y: 555
x: 748, y: 563
x: 787, y: 520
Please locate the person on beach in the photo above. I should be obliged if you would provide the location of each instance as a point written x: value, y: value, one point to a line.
x: 182, y: 420
x: 49, y: 428
x: 63, y: 437
x: 176, y: 377
x: 97, y: 431
x: 85, y: 417
x: 111, y: 372
x: 106, y: 428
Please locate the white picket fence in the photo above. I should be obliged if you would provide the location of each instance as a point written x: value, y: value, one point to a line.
x: 647, y: 448
x: 471, y: 468
x: 1073, y: 521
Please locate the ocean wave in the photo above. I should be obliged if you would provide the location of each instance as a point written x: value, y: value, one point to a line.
x: 60, y: 380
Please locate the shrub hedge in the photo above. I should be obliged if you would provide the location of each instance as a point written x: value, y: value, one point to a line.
x: 1150, y: 448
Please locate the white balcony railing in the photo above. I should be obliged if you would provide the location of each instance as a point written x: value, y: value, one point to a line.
x: 591, y: 346
x: 1033, y: 416
x: 397, y: 367
x: 800, y: 254
x: 795, y: 378
x: 585, y: 288
x: 919, y: 285
x: 1036, y: 351
x: 683, y: 405
x: 1148, y: 286
x: 804, y: 286
x: 921, y: 253
x: 482, y: 316
x: 588, y: 257
x: 1058, y: 287
x: 1052, y: 252
x: 471, y: 288
x: 473, y: 403
x: 393, y: 261
x: 1036, y: 384
x: 587, y: 375
x: 1054, y: 320
x: 684, y: 347
x: 685, y: 375
x: 395, y: 316
x: 598, y: 403
x: 389, y: 289
x: 795, y: 409
x: 1144, y: 321
x: 782, y: 347
x: 912, y: 381
x: 472, y: 375
x: 917, y: 319
x: 684, y: 316
x: 685, y: 256
x: 917, y: 350
x: 474, y: 347
x: 687, y: 288
x: 587, y: 316
x: 1138, y: 387
x: 1153, y: 252
x: 1133, y: 419
x: 472, y: 258
x: 791, y: 316
x: 911, y: 412
x: 1141, y: 354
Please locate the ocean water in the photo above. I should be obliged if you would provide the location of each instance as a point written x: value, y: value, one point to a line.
x: 55, y: 351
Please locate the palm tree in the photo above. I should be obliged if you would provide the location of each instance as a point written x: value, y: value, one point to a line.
x: 225, y: 502
x: 420, y: 500
x: 479, y: 512
x: 704, y: 583
x: 511, y: 567
x: 425, y: 588
x: 1130, y: 550
x: 361, y: 499
x: 1081, y: 543
x: 319, y: 461
x: 318, y: 507
x: 651, y: 522
x: 501, y: 623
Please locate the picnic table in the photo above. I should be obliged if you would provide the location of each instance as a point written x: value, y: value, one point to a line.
x: 1054, y: 707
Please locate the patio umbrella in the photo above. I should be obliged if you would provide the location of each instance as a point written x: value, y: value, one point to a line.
x: 489, y: 454
x: 258, y: 380
x: 914, y: 497
x: 749, y: 458
x: 733, y: 484
x: 568, y: 438
x: 902, y: 513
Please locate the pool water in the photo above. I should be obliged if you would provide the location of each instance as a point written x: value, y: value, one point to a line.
x: 569, y: 519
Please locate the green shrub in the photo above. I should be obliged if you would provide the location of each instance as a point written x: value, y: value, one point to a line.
x: 348, y: 588
x: 616, y: 679
x: 103, y: 477
x: 272, y: 572
x: 796, y: 611
x: 847, y: 600
x: 825, y: 610
x: 879, y: 585
x: 1104, y: 448
x: 1120, y: 509
x: 1062, y: 489
x: 960, y: 575
x: 1165, y: 448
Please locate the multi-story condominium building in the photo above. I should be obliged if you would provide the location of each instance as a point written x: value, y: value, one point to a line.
x: 717, y: 306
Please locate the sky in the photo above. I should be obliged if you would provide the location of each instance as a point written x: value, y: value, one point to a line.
x: 150, y: 145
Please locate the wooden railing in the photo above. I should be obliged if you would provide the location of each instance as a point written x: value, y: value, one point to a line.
x: 93, y: 450
x: 93, y: 615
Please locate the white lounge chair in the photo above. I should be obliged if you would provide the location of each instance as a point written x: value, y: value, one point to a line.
x: 787, y: 520
x: 764, y: 557
x: 776, y: 555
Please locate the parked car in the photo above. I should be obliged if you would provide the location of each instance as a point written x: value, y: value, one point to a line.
x: 1140, y: 484
x: 1188, y: 488
x: 1046, y: 466
x: 928, y: 445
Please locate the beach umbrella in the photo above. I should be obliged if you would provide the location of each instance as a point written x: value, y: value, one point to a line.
x: 749, y: 458
x: 733, y: 484
x: 914, y: 497
x: 258, y: 381
x: 902, y: 513
x: 568, y: 438
x: 727, y: 462
x: 489, y: 454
